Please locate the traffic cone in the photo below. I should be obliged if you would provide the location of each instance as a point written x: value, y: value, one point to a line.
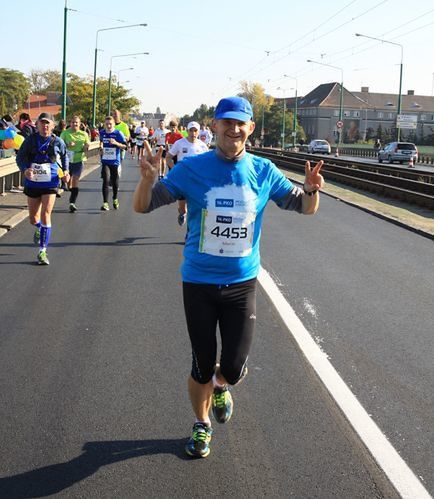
x: 337, y: 152
x: 411, y: 163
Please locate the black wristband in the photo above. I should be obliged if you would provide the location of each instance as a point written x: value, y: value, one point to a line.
x: 309, y: 193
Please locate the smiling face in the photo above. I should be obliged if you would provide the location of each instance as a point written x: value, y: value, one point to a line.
x: 45, y: 127
x: 232, y: 135
x: 75, y: 123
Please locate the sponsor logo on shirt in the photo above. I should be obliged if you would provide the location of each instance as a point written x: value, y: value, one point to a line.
x: 223, y: 220
x: 224, y: 203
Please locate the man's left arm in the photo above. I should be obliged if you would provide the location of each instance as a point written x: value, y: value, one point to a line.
x: 313, y: 183
x: 62, y: 151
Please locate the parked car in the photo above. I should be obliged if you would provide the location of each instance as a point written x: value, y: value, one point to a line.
x: 319, y: 146
x: 398, y: 151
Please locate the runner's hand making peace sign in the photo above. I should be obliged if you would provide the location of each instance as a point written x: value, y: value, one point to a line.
x: 150, y: 163
x: 313, y: 181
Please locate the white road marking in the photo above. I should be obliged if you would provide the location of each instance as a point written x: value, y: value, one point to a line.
x: 395, y: 468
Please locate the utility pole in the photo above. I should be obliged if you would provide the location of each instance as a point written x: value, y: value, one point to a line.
x: 65, y: 23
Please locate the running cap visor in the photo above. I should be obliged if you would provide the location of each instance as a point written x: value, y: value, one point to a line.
x: 234, y: 108
x: 193, y: 124
x: 46, y: 117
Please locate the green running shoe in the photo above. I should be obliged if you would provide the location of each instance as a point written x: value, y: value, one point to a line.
x: 37, y: 236
x: 116, y: 204
x: 105, y: 207
x: 198, y: 444
x: 42, y: 257
x: 222, y: 404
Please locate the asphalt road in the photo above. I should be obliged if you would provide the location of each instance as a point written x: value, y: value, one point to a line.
x: 94, y: 358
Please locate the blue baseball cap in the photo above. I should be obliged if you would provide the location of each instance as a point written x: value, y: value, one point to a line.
x: 234, y: 108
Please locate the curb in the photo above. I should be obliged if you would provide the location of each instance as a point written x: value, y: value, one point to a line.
x: 403, y: 225
x: 15, y: 219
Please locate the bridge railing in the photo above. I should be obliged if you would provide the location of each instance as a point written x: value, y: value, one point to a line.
x: 11, y: 176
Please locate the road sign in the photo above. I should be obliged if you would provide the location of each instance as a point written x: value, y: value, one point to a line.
x: 406, y: 121
x: 339, y: 124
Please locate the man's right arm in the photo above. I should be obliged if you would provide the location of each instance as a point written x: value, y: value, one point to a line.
x: 149, y: 168
x: 142, y: 195
x: 23, y: 159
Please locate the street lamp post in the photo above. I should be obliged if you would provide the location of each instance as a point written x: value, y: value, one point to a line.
x: 341, y: 98
x: 95, y: 64
x: 398, y: 134
x: 65, y: 29
x: 283, y: 119
x: 120, y: 71
x: 294, y: 118
x: 109, y: 100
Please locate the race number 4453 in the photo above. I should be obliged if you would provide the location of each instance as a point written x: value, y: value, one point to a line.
x: 226, y: 233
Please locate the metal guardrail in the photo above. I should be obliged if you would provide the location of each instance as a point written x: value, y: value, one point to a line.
x: 410, y: 186
x: 427, y: 159
x: 11, y: 176
x: 359, y: 152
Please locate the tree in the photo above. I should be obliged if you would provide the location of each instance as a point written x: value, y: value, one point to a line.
x: 43, y: 81
x: 370, y: 134
x: 80, y: 91
x: 203, y: 114
x: 14, y: 90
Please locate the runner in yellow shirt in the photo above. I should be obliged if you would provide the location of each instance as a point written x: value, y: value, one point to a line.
x: 77, y: 143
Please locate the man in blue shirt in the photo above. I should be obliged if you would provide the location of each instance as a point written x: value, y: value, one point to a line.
x: 37, y: 159
x: 112, y: 141
x: 227, y: 190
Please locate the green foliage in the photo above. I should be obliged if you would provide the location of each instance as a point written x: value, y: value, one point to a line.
x: 43, y: 81
x: 266, y: 114
x: 80, y: 91
x: 14, y: 90
x: 273, y: 126
x: 203, y: 114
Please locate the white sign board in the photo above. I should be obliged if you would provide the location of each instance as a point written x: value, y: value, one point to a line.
x: 406, y: 121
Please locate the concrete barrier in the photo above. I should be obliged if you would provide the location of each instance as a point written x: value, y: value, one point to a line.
x: 10, y: 174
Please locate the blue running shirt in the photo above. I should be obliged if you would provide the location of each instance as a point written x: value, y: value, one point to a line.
x: 111, y: 155
x: 226, y: 202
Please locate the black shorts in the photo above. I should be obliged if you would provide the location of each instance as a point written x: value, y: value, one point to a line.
x: 35, y: 193
x: 109, y: 171
x: 233, y: 309
x: 164, y: 150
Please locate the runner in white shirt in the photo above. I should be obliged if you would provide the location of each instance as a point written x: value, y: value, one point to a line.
x: 205, y: 135
x: 159, y: 140
x: 188, y: 146
x: 142, y: 133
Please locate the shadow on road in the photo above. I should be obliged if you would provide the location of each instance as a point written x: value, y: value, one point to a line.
x: 52, y: 479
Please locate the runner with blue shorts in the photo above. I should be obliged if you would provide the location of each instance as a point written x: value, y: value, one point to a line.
x: 77, y: 142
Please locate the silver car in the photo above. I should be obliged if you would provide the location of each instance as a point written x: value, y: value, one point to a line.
x: 319, y: 146
x: 398, y: 151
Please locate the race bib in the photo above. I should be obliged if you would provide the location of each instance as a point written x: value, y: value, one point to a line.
x: 109, y: 153
x: 140, y: 142
x: 227, y: 233
x: 70, y: 155
x: 41, y: 172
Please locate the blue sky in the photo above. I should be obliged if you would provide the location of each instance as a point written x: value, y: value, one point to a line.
x: 199, y: 51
